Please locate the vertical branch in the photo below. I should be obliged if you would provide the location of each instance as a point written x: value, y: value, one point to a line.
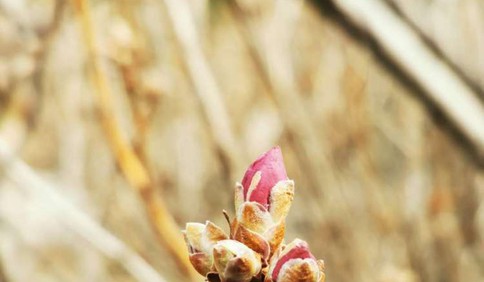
x: 131, y: 166
x: 206, y: 86
x: 3, y: 276
x: 130, y: 70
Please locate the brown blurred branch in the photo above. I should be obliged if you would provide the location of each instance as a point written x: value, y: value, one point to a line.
x: 20, y: 110
x: 441, y: 85
x: 131, y: 166
x: 206, y: 86
x: 3, y: 276
x: 73, y: 218
x: 143, y: 102
x: 14, y: 121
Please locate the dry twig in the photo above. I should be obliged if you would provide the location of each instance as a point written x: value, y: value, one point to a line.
x: 132, y: 167
x: 130, y: 70
x: 3, y: 276
x: 74, y: 219
x: 205, y: 83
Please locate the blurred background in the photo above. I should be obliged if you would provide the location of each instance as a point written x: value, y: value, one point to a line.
x: 129, y: 118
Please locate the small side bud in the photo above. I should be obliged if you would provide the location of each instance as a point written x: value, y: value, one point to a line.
x: 235, y: 262
x: 296, y: 263
x: 200, y: 239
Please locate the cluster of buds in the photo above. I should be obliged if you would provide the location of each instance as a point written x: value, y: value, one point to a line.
x: 254, y: 250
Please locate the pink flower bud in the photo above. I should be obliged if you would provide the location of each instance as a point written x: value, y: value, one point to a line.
x: 295, y: 263
x: 262, y: 202
x: 262, y: 175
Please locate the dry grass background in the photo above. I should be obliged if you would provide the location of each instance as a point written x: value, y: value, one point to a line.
x: 386, y: 189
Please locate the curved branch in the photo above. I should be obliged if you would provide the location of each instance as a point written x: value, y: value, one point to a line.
x: 74, y: 219
x: 131, y: 166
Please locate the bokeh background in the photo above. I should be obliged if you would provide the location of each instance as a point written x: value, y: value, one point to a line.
x: 144, y: 113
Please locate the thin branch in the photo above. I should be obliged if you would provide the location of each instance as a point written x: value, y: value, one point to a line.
x: 442, y: 86
x: 14, y: 122
x: 74, y: 219
x: 131, y: 166
x: 3, y: 276
x: 131, y: 71
x: 206, y: 86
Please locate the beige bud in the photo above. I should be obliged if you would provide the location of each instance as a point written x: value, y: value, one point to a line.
x: 235, y: 262
x: 200, y: 239
x: 259, y: 227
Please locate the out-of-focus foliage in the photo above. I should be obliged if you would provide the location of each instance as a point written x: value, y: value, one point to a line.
x: 384, y: 190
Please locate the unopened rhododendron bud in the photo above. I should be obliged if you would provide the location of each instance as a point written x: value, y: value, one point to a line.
x: 262, y: 175
x: 255, y: 251
x: 200, y: 239
x: 295, y: 263
x: 235, y: 262
x: 262, y: 202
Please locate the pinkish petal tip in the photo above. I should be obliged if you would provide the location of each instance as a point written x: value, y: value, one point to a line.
x: 299, y: 249
x: 271, y: 167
